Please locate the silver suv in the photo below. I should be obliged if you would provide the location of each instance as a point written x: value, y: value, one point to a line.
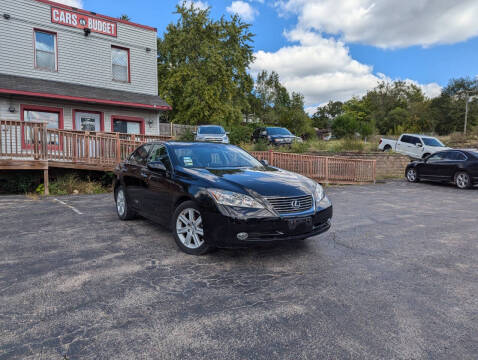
x: 212, y: 133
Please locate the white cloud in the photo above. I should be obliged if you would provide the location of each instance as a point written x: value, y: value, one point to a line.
x: 322, y: 69
x: 202, y: 5
x: 388, y: 23
x: 75, y: 3
x: 430, y: 90
x: 243, y: 9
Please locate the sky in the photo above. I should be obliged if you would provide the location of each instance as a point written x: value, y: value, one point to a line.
x: 337, y: 49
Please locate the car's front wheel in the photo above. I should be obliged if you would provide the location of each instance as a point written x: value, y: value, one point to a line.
x: 412, y: 175
x: 122, y: 205
x: 462, y: 180
x: 188, y: 229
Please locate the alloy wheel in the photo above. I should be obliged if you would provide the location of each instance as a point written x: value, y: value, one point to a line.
x: 120, y: 202
x: 412, y: 175
x: 189, y: 228
x: 463, y: 181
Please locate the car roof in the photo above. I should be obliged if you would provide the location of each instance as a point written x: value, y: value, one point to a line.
x: 201, y: 126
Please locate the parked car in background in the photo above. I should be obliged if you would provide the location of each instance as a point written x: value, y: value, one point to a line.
x: 415, y: 146
x: 212, y: 133
x: 275, y: 136
x: 217, y: 195
x: 457, y: 166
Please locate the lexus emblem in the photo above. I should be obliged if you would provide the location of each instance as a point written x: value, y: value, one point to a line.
x: 295, y: 204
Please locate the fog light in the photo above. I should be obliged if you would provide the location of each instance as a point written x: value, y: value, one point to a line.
x: 242, y: 236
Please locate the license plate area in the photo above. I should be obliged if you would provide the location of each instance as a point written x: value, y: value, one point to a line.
x: 299, y: 225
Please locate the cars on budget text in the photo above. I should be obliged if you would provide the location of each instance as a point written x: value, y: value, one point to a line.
x: 218, y: 195
x: 456, y: 166
x: 212, y: 133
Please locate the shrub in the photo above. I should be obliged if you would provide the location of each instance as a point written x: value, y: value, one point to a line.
x: 240, y: 134
x: 299, y: 147
x: 188, y: 135
x: 73, y: 184
x: 261, y: 145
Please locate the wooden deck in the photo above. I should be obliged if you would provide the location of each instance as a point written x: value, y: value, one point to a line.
x: 32, y: 146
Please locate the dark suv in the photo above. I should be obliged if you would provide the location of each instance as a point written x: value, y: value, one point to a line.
x: 274, y: 136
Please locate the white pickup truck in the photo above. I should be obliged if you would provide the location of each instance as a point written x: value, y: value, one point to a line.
x: 415, y: 146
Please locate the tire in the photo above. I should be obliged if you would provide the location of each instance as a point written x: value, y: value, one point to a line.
x: 387, y: 148
x: 463, y: 180
x: 412, y: 175
x: 425, y: 156
x: 123, y: 209
x: 188, y: 231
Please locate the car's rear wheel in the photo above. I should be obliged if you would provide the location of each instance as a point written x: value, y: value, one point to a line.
x: 463, y: 180
x: 122, y: 206
x: 387, y: 148
x: 188, y: 229
x: 412, y: 175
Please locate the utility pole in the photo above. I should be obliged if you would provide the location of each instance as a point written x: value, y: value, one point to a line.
x: 466, y: 112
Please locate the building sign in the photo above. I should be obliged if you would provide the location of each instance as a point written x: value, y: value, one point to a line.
x: 82, y: 21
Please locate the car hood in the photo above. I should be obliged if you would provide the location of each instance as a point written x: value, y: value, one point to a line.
x: 211, y: 135
x: 267, y: 181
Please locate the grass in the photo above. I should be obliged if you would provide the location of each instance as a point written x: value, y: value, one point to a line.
x: 72, y: 184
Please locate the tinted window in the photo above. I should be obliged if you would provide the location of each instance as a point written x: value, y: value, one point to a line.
x: 406, y: 139
x: 278, y: 131
x: 216, y: 130
x: 212, y: 156
x: 414, y: 140
x: 432, y: 142
x: 160, y: 153
x: 436, y: 157
x: 455, y: 156
x: 139, y: 157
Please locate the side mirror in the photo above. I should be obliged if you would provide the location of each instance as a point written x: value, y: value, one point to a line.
x: 265, y: 162
x: 156, y: 166
x: 419, y: 145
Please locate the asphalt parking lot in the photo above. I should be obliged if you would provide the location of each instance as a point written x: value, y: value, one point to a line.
x: 396, y: 277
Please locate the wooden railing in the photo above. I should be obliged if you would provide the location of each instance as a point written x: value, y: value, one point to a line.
x: 33, y: 140
x: 322, y: 168
x: 173, y: 130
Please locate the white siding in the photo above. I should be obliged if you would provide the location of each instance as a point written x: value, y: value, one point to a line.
x: 68, y: 108
x: 81, y: 60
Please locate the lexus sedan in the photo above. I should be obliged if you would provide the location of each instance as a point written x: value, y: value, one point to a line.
x: 217, y: 195
x: 450, y: 166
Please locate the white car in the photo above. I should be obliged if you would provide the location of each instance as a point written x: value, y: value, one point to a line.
x: 413, y: 145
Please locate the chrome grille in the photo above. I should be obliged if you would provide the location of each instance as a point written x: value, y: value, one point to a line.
x: 213, y: 139
x: 290, y: 205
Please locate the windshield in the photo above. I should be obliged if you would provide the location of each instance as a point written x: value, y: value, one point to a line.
x: 278, y: 131
x: 211, y: 156
x: 216, y: 130
x: 432, y: 142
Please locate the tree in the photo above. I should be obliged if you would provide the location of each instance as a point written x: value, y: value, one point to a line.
x: 345, y: 125
x: 202, y: 67
x: 125, y: 17
x: 325, y: 115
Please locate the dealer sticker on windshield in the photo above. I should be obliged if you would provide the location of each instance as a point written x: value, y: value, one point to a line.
x: 187, y: 161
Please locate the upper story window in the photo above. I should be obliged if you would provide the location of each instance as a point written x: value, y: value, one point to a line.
x: 120, y: 64
x: 45, y: 50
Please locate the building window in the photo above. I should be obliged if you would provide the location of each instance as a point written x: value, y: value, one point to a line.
x: 127, y: 125
x: 88, y: 120
x: 120, y: 64
x: 52, y: 116
x: 45, y: 50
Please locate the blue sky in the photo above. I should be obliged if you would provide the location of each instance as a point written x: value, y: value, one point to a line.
x: 332, y: 49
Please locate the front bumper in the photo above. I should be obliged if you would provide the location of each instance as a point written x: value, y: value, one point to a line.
x: 222, y: 230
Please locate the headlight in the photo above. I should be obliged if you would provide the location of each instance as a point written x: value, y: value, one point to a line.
x: 318, y: 193
x: 230, y: 198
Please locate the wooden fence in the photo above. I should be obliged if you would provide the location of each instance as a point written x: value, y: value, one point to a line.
x: 322, y: 168
x: 67, y: 148
x: 173, y: 130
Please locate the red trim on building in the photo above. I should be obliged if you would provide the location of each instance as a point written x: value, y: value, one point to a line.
x: 35, y: 48
x: 129, y: 118
x: 102, y: 117
x: 24, y: 107
x: 109, y: 18
x: 129, y: 63
x: 83, y: 99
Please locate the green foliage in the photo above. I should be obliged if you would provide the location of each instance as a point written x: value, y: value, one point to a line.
x: 20, y: 182
x: 74, y: 184
x: 240, y: 134
x: 202, y: 68
x: 261, y: 145
x: 345, y: 125
x: 188, y: 135
x: 325, y: 115
x: 299, y: 147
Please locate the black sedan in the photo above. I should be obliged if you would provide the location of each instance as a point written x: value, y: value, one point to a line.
x: 457, y: 166
x: 217, y: 195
